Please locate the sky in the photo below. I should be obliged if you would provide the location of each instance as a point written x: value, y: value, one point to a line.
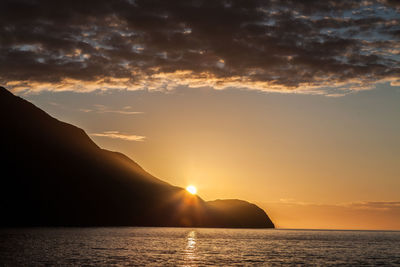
x: 292, y: 105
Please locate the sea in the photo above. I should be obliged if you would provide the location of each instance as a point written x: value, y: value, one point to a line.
x: 136, y: 246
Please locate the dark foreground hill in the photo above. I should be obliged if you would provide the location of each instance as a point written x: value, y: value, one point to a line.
x: 53, y: 174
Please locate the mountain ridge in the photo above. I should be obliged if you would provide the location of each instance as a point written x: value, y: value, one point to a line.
x: 55, y: 175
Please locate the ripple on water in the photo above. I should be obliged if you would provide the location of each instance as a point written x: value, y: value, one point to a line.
x: 191, y: 247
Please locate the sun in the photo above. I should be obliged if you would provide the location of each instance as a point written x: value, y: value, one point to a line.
x: 191, y: 189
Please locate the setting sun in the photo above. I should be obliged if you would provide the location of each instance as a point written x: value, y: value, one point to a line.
x: 191, y: 189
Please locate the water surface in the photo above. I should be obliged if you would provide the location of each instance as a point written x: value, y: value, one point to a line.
x: 132, y: 246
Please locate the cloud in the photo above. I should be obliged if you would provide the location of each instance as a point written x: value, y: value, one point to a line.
x: 319, y: 47
x: 118, y: 135
x: 104, y: 109
x: 362, y: 205
x: 374, y: 205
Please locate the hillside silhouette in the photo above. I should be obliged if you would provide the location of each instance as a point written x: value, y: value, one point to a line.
x: 53, y: 174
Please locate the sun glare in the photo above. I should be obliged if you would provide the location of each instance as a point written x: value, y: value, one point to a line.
x: 191, y: 189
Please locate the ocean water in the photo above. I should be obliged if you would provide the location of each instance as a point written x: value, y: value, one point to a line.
x: 132, y: 246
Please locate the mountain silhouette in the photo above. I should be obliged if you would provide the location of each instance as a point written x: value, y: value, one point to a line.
x: 53, y: 174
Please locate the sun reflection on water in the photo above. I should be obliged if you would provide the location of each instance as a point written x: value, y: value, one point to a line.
x: 190, y: 251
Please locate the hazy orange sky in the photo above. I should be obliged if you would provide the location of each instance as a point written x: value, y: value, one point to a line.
x: 293, y: 105
x: 310, y: 161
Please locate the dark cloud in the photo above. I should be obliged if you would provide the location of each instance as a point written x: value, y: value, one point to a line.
x: 277, y: 45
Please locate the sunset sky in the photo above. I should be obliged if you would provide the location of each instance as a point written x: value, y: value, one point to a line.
x: 292, y: 105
